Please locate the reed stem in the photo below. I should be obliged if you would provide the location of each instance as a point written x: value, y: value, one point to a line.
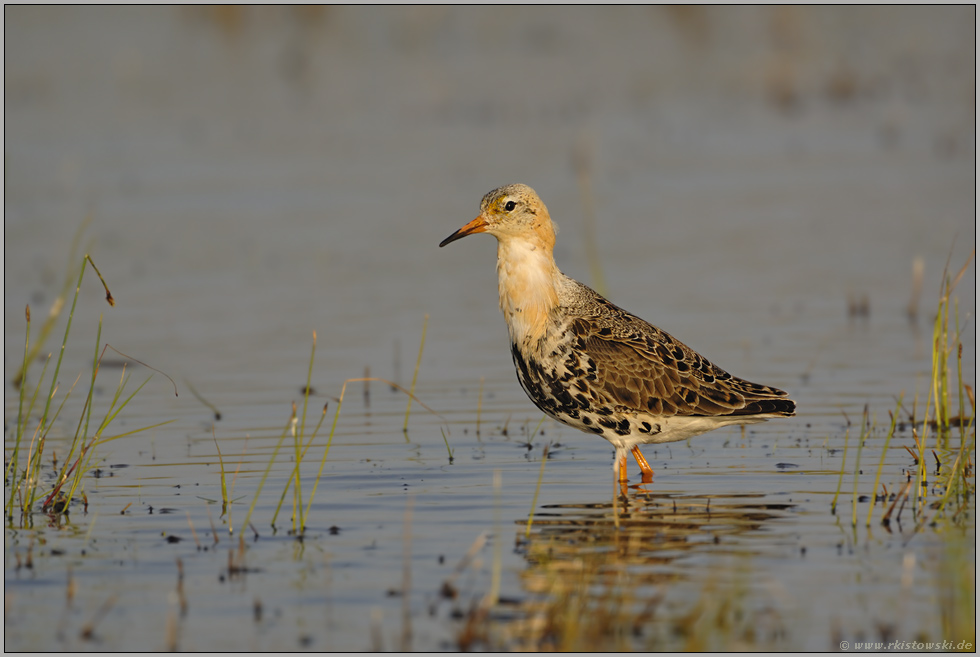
x: 415, y: 376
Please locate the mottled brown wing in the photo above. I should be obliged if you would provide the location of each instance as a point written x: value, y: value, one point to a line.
x: 643, y: 368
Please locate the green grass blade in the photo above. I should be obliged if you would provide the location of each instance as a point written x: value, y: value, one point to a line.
x: 537, y: 489
x: 56, y: 307
x: 64, y: 342
x: 881, y: 462
x: 224, y: 483
x: 323, y: 460
x: 840, y: 479
x: 265, y: 475
x: 12, y: 462
x: 298, y: 436
x: 865, y: 432
x: 415, y: 376
x: 448, y: 448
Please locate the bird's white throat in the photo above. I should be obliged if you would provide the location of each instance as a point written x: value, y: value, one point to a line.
x: 526, y: 280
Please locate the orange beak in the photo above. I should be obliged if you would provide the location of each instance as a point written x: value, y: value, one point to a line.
x: 478, y: 225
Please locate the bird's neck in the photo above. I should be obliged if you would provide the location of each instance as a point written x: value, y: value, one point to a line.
x: 527, y: 280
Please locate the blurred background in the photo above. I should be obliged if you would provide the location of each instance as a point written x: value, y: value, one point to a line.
x: 252, y: 173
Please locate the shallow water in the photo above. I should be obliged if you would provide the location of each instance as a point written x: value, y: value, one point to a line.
x: 253, y: 177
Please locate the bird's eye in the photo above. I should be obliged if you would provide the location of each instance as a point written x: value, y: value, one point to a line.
x: 510, y: 206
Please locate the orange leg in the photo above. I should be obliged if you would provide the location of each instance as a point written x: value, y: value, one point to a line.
x: 621, y: 477
x: 642, y: 462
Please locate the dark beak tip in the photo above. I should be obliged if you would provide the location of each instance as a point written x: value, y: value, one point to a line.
x: 452, y: 238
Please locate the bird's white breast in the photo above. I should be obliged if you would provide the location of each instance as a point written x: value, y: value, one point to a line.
x: 526, y: 277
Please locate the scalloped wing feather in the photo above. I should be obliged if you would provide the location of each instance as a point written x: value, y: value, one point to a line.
x: 645, y: 370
